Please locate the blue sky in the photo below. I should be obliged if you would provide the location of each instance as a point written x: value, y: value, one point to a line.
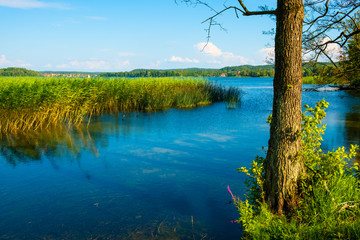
x: 122, y: 35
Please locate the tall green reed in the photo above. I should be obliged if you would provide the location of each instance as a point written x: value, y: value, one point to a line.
x: 32, y: 103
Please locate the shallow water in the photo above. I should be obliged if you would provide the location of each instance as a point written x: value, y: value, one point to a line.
x: 146, y: 175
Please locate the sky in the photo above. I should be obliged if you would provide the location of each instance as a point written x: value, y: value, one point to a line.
x: 122, y: 35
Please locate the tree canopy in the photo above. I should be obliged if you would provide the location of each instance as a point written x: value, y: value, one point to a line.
x: 18, y: 72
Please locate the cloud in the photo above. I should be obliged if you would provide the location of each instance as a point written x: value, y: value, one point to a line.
x: 93, y: 65
x: 48, y: 66
x: 332, y: 49
x: 267, y: 54
x: 209, y: 48
x: 182, y: 60
x: 27, y: 4
x: 230, y: 57
x: 122, y: 64
x: 89, y: 64
x: 220, y: 57
x: 155, y: 64
x: 24, y: 65
x: 3, y: 60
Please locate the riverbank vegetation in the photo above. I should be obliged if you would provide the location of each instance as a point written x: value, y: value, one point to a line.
x: 34, y: 103
x: 329, y: 193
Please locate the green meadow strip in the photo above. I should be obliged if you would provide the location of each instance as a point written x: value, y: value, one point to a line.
x: 30, y: 103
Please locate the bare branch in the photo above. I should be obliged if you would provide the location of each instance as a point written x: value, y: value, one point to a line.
x: 324, y: 16
x: 246, y: 12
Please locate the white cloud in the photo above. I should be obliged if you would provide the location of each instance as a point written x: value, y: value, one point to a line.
x: 332, y: 49
x: 93, y: 65
x: 267, y: 54
x: 155, y: 64
x: 220, y: 57
x: 209, y: 48
x: 182, y: 60
x: 3, y: 60
x: 89, y: 64
x: 122, y: 64
x: 24, y: 65
x: 230, y: 57
x: 26, y: 4
x: 214, y: 61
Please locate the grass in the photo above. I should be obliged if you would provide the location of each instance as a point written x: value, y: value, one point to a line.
x: 321, y: 80
x: 309, y: 80
x: 29, y: 103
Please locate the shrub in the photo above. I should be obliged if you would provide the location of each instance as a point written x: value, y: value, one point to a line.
x: 330, y: 193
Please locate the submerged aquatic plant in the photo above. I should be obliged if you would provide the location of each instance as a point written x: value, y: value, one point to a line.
x: 29, y: 103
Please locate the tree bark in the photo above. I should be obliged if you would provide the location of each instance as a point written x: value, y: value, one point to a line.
x: 282, y: 165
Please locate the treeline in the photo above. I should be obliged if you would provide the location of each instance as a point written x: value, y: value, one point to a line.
x: 324, y: 72
x: 235, y: 71
x: 238, y: 71
x: 18, y: 72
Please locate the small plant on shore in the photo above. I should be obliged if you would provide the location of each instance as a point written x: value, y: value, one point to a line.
x: 330, y: 193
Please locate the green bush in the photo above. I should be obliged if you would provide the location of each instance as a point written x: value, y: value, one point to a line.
x: 330, y: 193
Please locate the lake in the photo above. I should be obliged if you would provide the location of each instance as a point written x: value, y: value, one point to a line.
x: 156, y: 175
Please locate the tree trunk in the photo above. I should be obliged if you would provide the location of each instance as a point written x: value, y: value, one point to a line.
x: 282, y: 165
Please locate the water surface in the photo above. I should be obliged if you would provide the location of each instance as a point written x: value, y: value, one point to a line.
x: 146, y: 175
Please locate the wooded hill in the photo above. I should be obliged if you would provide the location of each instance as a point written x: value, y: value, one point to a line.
x: 18, y: 72
x: 234, y: 71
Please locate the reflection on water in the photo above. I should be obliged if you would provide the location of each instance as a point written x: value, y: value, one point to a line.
x: 52, y: 143
x: 145, y: 176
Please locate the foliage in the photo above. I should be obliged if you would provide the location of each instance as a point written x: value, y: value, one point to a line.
x: 18, y: 72
x: 329, y: 192
x: 312, y: 72
x: 351, y: 66
x: 238, y: 71
x: 32, y: 103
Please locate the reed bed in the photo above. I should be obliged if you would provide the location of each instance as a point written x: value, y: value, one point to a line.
x: 34, y: 103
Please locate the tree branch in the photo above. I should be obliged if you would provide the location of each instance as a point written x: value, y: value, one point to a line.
x: 246, y: 12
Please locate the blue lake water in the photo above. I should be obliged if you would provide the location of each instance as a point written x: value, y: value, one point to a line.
x: 147, y: 175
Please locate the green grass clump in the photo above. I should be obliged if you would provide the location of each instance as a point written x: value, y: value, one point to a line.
x: 28, y: 103
x: 329, y: 206
x: 310, y: 80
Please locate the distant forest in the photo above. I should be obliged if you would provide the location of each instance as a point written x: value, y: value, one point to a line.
x: 236, y: 71
x: 18, y: 72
